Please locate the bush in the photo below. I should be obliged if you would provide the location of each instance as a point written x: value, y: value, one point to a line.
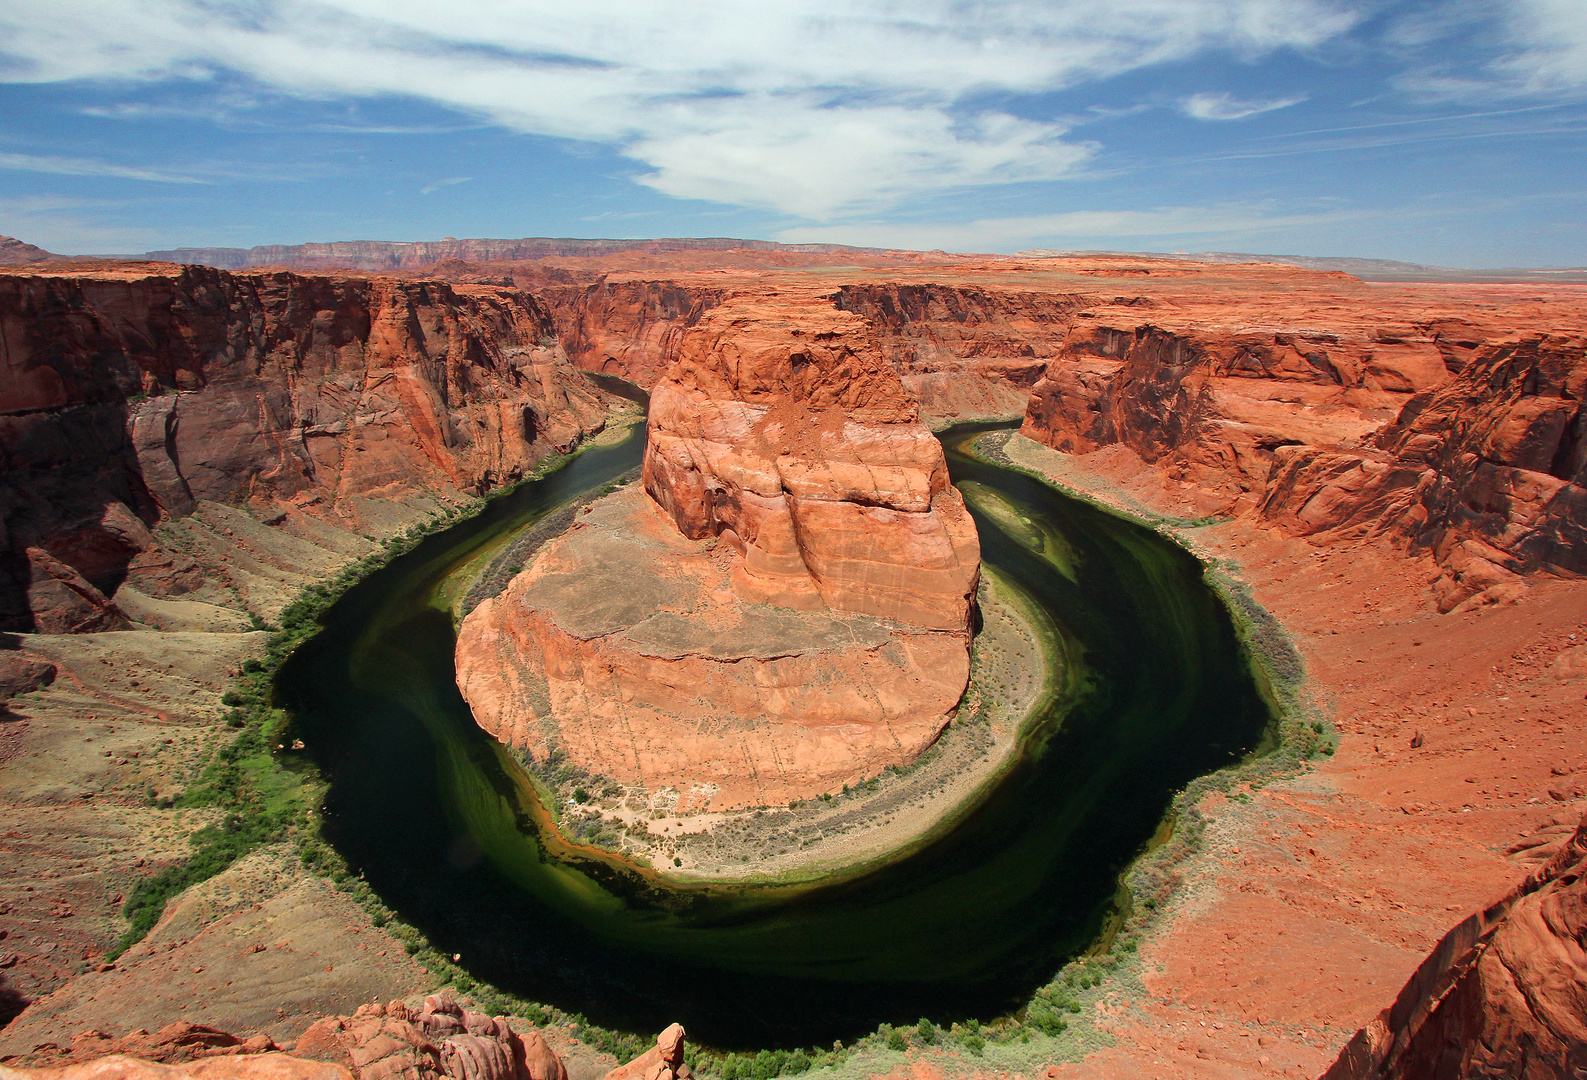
x: 895, y: 1040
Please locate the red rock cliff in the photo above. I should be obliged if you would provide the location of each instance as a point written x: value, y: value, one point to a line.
x: 782, y: 430
x: 1490, y: 471
x: 128, y: 394
x: 1503, y: 994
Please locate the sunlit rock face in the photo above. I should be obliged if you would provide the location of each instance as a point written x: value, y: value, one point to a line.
x: 782, y: 430
x: 783, y: 606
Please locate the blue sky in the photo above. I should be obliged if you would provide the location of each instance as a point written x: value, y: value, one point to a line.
x: 1452, y: 132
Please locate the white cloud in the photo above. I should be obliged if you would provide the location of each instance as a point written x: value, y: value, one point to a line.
x: 809, y: 107
x: 1551, y: 45
x: 431, y: 189
x: 1223, y: 106
x: 1069, y: 229
x: 67, y: 166
x: 1541, y: 48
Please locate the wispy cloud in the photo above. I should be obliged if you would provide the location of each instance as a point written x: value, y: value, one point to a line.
x: 816, y: 108
x: 431, y: 189
x: 70, y: 166
x: 1534, y: 48
x: 1223, y: 106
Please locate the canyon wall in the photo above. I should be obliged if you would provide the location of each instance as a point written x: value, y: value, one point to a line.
x: 630, y: 329
x: 1429, y: 434
x: 1489, y: 471
x: 131, y: 396
x: 1503, y: 994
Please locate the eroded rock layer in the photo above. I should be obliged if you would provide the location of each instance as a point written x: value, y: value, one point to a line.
x: 782, y: 430
x: 1473, y: 449
x: 131, y: 395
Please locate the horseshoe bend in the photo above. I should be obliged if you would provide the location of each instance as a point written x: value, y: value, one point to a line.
x: 1210, y: 692
x: 783, y: 609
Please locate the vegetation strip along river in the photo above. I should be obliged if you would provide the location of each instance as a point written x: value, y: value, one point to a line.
x: 446, y: 826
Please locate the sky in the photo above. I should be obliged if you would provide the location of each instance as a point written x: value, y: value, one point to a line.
x: 1451, y: 132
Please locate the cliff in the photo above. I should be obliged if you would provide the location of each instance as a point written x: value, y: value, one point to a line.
x: 129, y: 396
x: 1431, y: 435
x: 782, y: 430
x: 631, y: 329
x: 1503, y: 994
x: 1489, y: 471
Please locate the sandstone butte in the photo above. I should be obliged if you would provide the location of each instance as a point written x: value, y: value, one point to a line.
x: 785, y: 609
x: 1394, y: 470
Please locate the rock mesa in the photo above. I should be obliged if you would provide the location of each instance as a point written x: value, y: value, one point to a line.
x: 783, y: 609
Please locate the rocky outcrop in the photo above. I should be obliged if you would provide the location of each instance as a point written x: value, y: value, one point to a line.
x: 129, y: 395
x: 664, y: 1061
x: 440, y: 1040
x: 783, y: 431
x: 625, y: 650
x: 1503, y: 994
x: 1212, y: 406
x: 1489, y: 471
x: 1473, y: 449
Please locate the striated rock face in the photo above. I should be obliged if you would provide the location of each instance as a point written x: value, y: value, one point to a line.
x: 1474, y: 449
x: 784, y: 608
x: 1490, y: 471
x: 964, y: 353
x: 1503, y: 994
x: 630, y: 329
x: 783, y: 431
x: 129, y: 395
x: 1216, y: 404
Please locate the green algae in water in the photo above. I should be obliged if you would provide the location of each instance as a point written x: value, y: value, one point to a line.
x: 446, y: 827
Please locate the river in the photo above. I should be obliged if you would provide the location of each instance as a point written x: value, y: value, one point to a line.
x: 443, y: 823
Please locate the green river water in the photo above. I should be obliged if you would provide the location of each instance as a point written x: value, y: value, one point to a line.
x: 445, y: 826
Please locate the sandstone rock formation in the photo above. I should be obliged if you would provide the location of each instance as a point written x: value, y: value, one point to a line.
x: 129, y: 395
x: 1216, y: 404
x: 624, y: 647
x: 783, y: 431
x: 1489, y: 471
x: 440, y: 1040
x: 1503, y: 994
x: 789, y: 609
x: 664, y: 1061
x: 631, y: 329
x: 963, y: 352
x: 1471, y: 449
